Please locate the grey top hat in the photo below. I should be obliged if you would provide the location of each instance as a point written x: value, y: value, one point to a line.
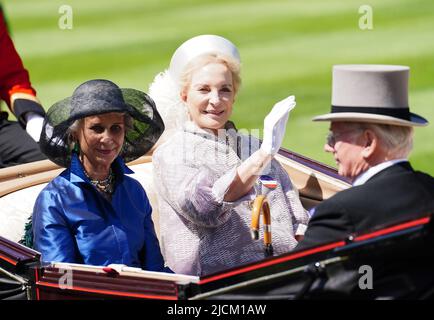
x: 371, y: 93
x: 95, y: 97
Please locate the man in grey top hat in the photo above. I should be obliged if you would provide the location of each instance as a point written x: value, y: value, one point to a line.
x: 370, y: 137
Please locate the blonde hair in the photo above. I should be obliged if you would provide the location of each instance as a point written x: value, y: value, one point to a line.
x: 205, y: 59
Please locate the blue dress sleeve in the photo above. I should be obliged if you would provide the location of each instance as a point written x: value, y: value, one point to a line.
x: 52, y: 235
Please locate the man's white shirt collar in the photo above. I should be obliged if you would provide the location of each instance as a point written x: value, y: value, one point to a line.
x: 365, y: 176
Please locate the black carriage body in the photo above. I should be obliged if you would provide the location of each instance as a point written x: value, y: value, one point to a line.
x: 394, y: 262
x: 19, y: 266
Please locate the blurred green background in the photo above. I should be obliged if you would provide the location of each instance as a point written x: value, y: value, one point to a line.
x: 287, y: 47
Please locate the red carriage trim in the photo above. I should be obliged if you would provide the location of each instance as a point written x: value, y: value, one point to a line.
x: 109, y: 292
x: 314, y: 250
x: 398, y: 227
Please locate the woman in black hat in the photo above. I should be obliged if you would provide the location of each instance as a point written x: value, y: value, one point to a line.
x: 93, y: 213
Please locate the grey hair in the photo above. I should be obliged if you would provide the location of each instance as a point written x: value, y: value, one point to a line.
x: 207, y: 58
x: 398, y: 140
x: 76, y: 125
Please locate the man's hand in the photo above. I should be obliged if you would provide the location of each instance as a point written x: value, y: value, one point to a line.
x: 34, y: 124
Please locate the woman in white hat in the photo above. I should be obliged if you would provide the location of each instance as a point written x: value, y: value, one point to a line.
x: 205, y: 172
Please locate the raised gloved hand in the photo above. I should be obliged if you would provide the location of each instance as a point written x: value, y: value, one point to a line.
x: 34, y: 124
x: 275, y: 124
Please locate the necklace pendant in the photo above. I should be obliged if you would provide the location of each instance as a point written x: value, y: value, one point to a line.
x: 105, y: 186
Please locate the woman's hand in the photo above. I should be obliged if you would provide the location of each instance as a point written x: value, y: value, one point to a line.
x: 275, y: 125
x: 274, y: 131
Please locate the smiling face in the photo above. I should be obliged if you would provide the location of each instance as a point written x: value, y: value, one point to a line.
x: 210, y: 96
x: 100, y: 138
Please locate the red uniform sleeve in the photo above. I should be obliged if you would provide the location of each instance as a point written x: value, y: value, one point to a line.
x: 13, y: 76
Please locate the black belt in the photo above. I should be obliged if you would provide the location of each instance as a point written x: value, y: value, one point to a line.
x: 401, y: 113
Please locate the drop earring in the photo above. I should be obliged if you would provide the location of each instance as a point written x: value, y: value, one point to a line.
x: 76, y: 148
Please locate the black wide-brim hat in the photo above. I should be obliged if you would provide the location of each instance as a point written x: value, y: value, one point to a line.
x: 95, y: 97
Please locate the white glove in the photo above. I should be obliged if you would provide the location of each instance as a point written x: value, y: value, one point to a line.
x: 34, y: 125
x: 275, y: 124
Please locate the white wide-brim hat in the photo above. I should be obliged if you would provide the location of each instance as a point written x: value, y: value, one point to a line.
x: 197, y: 46
x: 371, y: 93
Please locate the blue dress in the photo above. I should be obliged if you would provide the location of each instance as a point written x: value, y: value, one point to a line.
x: 73, y: 222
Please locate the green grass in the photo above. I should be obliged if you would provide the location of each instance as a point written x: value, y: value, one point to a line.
x: 287, y: 47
